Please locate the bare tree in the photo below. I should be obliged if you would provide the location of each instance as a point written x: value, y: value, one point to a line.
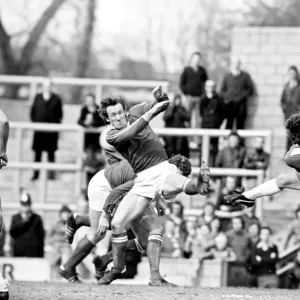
x: 84, y: 47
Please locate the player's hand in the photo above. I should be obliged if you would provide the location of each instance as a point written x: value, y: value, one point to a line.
x: 3, y: 159
x: 103, y: 225
x: 159, y: 94
x: 160, y: 207
x: 159, y: 107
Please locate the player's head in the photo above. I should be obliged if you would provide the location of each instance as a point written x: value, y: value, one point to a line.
x: 183, y: 165
x: 292, y: 126
x: 114, y: 110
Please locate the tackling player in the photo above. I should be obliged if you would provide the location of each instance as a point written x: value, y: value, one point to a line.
x: 132, y: 136
x: 4, y: 133
x: 289, y: 180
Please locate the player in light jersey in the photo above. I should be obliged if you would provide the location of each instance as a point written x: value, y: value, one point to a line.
x: 289, y: 180
x: 4, y: 133
x: 132, y: 136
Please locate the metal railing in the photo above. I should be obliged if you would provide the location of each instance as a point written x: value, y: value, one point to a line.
x: 96, y: 84
x: 19, y: 165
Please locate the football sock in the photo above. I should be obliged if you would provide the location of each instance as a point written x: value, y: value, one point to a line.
x: 153, y: 253
x: 119, y: 242
x: 267, y: 188
x: 82, y: 250
x: 81, y: 220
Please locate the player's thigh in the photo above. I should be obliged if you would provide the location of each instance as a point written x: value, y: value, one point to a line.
x: 289, y: 180
x: 129, y: 208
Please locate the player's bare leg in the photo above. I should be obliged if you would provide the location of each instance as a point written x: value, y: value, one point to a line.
x: 271, y: 187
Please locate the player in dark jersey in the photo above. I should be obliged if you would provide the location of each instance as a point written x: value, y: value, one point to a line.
x: 4, y: 133
x: 132, y: 136
x: 289, y: 180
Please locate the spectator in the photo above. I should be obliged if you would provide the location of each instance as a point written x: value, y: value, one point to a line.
x: 46, y: 108
x: 233, y: 155
x: 90, y: 118
x: 2, y: 241
x: 254, y: 234
x: 176, y: 116
x: 208, y: 214
x: 293, y: 230
x: 257, y: 158
x: 294, y: 274
x: 212, y: 114
x: 191, y: 226
x: 27, y: 231
x: 215, y: 226
x: 172, y: 244
x: 264, y: 258
x: 240, y: 244
x: 176, y: 216
x: 290, y: 98
x: 60, y: 249
x: 199, y: 245
x: 221, y: 250
x: 192, y: 82
x: 236, y: 88
x: 250, y: 217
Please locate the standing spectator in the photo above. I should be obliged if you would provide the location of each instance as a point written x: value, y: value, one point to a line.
x: 192, y: 82
x: 212, y: 114
x: 293, y: 230
x: 264, y: 258
x: 60, y: 249
x: 290, y: 98
x: 46, y: 108
x: 233, y: 155
x: 236, y: 88
x: 27, y: 231
x: 215, y: 226
x: 250, y: 217
x: 176, y: 116
x: 254, y: 234
x: 90, y: 118
x: 208, y: 214
x: 257, y: 158
x: 240, y: 244
x: 221, y: 250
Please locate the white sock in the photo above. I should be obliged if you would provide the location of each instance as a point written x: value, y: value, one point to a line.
x: 267, y: 188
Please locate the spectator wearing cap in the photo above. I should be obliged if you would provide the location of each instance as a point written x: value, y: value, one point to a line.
x: 27, y: 231
x: 263, y: 260
x: 293, y: 230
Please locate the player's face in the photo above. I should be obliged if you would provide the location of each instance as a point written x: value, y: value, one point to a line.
x: 117, y: 116
x: 265, y: 235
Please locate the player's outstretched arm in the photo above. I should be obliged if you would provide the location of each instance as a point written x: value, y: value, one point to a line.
x: 4, y: 133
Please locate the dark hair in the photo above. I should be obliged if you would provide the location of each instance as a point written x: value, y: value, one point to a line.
x: 110, y: 101
x: 255, y: 223
x: 241, y: 219
x: 293, y: 126
x: 234, y: 133
x: 181, y: 207
x: 195, y: 53
x: 90, y: 95
x: 295, y: 69
x: 182, y: 163
x: 267, y: 228
x: 65, y: 208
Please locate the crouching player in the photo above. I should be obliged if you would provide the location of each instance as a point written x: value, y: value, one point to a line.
x: 289, y: 180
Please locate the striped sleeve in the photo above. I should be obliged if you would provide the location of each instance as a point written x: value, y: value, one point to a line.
x: 118, y: 137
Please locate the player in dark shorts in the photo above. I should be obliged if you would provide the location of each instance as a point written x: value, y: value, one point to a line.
x: 4, y: 133
x: 289, y: 180
x: 132, y: 136
x: 141, y: 226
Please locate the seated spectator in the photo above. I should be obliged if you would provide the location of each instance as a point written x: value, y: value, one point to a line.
x: 221, y: 251
x: 90, y: 118
x: 176, y: 216
x: 199, y: 245
x: 231, y: 156
x: 60, y: 249
x: 212, y: 113
x: 208, y: 214
x: 239, y: 242
x: 250, y: 217
x: 27, y: 231
x: 293, y: 230
x: 230, y: 186
x: 215, y: 226
x: 257, y: 158
x: 171, y: 244
x: 263, y: 260
x: 176, y: 116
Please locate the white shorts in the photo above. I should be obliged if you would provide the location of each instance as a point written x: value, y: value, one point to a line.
x: 98, y: 191
x: 151, y: 181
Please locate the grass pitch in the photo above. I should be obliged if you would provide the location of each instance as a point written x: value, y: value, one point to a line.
x: 65, y: 291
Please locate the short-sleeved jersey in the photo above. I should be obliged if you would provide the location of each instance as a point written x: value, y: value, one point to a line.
x: 292, y: 158
x: 137, y: 142
x: 119, y: 173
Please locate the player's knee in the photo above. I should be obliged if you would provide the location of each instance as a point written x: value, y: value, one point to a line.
x: 117, y: 228
x: 282, y: 180
x: 158, y: 230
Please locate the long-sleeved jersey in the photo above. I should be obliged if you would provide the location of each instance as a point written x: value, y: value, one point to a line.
x: 137, y: 142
